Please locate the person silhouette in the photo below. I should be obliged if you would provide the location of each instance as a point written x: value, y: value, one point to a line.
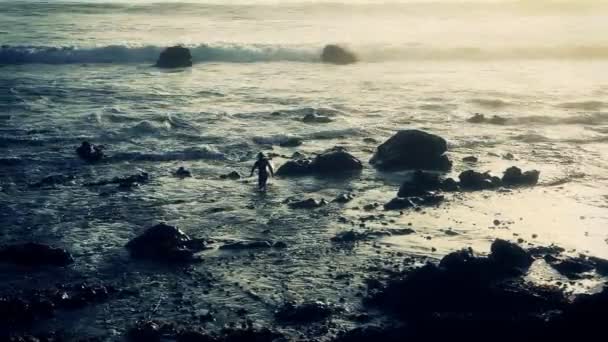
x: 263, y: 165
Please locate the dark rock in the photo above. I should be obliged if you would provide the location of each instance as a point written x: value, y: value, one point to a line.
x: 246, y: 245
x: 508, y: 156
x: 35, y: 254
x: 373, y: 333
x: 335, y: 160
x: 601, y: 265
x: 291, y: 142
x: 250, y: 335
x: 465, y: 285
x: 89, y: 152
x: 470, y: 159
x: 412, y: 149
x: 232, y: 175
x: 298, y: 167
x: 315, y: 118
x: 513, y: 176
x: 420, y: 184
x: 145, y: 331
x: 344, y: 198
x: 182, y: 172
x: 304, y: 313
x: 53, y: 180
x: 509, y: 255
x: 308, y: 204
x: 427, y: 199
x: 195, y: 336
x: 336, y: 54
x: 174, y: 57
x: 164, y: 242
x: 541, y: 251
x: 398, y: 203
x: 572, y: 268
x: 472, y: 180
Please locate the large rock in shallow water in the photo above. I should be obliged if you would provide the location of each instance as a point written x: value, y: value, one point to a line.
x: 35, y: 254
x: 174, y: 57
x: 513, y: 176
x: 335, y: 160
x: 164, y: 242
x: 412, y: 149
x: 336, y: 54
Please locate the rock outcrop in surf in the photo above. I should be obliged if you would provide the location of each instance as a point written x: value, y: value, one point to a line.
x: 333, y: 161
x: 174, y: 57
x: 335, y: 54
x: 166, y: 243
x: 35, y: 254
x: 412, y: 149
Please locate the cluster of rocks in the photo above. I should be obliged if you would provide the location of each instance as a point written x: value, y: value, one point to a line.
x: 473, y: 297
x: 331, y: 162
x: 423, y: 188
x: 25, y: 308
x: 34, y: 254
x: 299, y: 313
x: 165, y: 242
x: 154, y: 331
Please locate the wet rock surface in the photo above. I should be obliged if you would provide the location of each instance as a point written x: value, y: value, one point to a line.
x: 182, y: 172
x: 335, y: 54
x: 412, y: 149
x: 23, y: 308
x: 174, y: 57
x: 234, y: 175
x: 304, y: 312
x: 165, y: 242
x: 334, y: 161
x: 90, y: 152
x: 35, y: 255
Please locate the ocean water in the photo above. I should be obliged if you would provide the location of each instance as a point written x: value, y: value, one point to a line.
x: 74, y: 71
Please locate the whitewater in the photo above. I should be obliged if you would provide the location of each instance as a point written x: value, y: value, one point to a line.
x: 75, y: 71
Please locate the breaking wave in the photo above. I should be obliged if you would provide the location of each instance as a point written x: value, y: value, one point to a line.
x: 250, y: 53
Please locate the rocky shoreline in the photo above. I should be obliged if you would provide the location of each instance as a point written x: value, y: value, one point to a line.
x: 464, y: 295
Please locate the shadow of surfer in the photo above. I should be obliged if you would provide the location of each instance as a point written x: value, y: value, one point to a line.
x: 263, y: 165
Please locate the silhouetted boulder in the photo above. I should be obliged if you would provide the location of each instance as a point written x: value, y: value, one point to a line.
x: 509, y: 255
x: 182, y: 172
x: 304, y: 312
x: 334, y: 161
x: 299, y: 167
x: 412, y: 149
x: 145, y: 331
x: 232, y: 175
x: 513, y: 176
x: 90, y: 152
x: 336, y: 54
x: 174, y: 57
x: 35, y: 254
x: 164, y: 242
x: 473, y: 180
